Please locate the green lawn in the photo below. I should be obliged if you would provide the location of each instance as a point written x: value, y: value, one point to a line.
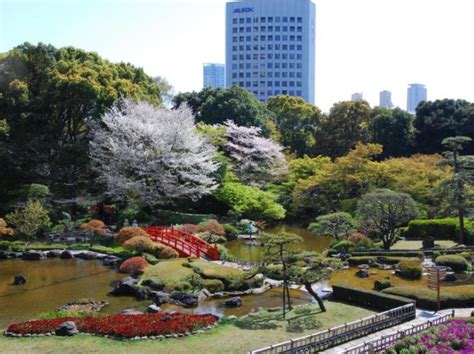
x: 417, y: 245
x: 226, y: 338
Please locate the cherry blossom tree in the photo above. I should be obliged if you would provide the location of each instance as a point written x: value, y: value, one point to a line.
x: 143, y: 151
x: 253, y: 158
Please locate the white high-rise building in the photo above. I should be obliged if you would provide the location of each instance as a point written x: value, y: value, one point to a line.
x: 270, y: 47
x: 385, y: 99
x: 213, y: 75
x: 357, y: 96
x: 415, y: 94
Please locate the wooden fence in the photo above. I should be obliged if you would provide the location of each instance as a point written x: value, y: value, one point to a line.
x: 337, y: 335
x: 380, y: 344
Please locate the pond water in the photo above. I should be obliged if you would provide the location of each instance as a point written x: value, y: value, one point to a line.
x: 54, y: 282
x: 250, y: 252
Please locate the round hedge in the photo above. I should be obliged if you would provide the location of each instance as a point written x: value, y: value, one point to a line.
x: 456, y: 263
x: 410, y: 270
x: 126, y: 233
x: 133, y: 266
x: 140, y: 243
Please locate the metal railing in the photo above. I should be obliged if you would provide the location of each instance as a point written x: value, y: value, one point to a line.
x: 385, y: 341
x: 337, y: 335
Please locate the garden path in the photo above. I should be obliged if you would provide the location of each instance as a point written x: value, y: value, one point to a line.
x: 421, y: 316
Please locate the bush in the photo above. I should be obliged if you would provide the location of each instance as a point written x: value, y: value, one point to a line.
x: 213, y: 285
x: 5, y: 232
x: 346, y: 244
x: 213, y: 227
x: 439, y: 229
x: 126, y: 233
x: 451, y: 296
x: 191, y: 228
x: 133, y: 266
x: 231, y: 232
x: 381, y: 284
x: 167, y: 217
x: 412, y: 270
x: 358, y: 260
x: 468, y: 231
x: 168, y: 253
x: 5, y: 245
x: 456, y: 263
x: 369, y: 298
x: 18, y: 246
x: 140, y: 244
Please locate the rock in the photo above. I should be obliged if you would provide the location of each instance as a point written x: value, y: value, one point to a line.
x: 14, y: 255
x: 362, y: 273
x: 3, y: 255
x: 153, y: 285
x: 234, y: 302
x: 125, y: 287
x: 110, y: 261
x: 428, y: 242
x: 217, y: 295
x: 131, y: 312
x: 232, y: 317
x: 160, y: 297
x: 66, y: 255
x: 53, y: 254
x: 450, y: 276
x: 86, y: 255
x: 363, y: 266
x: 67, y: 328
x: 19, y: 279
x: 379, y: 285
x: 185, y: 299
x: 153, y: 308
x: 142, y: 293
x: 203, y: 294
x: 33, y: 255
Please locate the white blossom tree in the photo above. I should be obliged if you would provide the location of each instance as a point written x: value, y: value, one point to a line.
x: 153, y: 153
x: 254, y: 158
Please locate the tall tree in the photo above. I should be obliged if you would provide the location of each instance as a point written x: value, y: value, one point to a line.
x: 279, y: 248
x: 337, y: 225
x: 459, y: 188
x: 46, y: 97
x: 384, y: 212
x: 297, y: 123
x: 393, y: 129
x: 155, y: 154
x: 346, y: 125
x: 441, y: 119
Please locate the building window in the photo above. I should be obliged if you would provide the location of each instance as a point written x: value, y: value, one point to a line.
x: 248, y: 83
x: 255, y: 20
x: 300, y: 29
x: 241, y: 39
x: 234, y: 75
x: 292, y: 84
x: 270, y: 74
x: 277, y: 56
x: 284, y: 29
x: 248, y: 47
x: 270, y: 19
x: 269, y: 56
x: 299, y: 75
x: 299, y: 93
x: 255, y: 84
x: 248, y: 20
x: 300, y: 20
x: 270, y: 38
x: 262, y: 28
x: 262, y: 19
x: 292, y: 20
x: 234, y: 30
x: 284, y: 47
x: 277, y: 74
x: 248, y: 57
x: 292, y: 93
x: 292, y: 56
x: 277, y: 47
x: 284, y: 38
x: 234, y: 66
x: 247, y: 75
x: 255, y: 28
x: 299, y: 83
x: 292, y: 47
x: 234, y: 48
x: 292, y: 65
x: 241, y: 47
x: 299, y: 56
x: 241, y: 66
x: 270, y: 28
x: 299, y: 47
x: 292, y: 28
x: 299, y: 65
x: 241, y: 75
x: 269, y: 92
x: 241, y: 84
x: 284, y: 66
x: 248, y: 38
x: 284, y: 83
x: 284, y: 56
x: 234, y: 56
x: 234, y: 21
x: 277, y: 28
x: 262, y: 56
x: 269, y: 65
x: 255, y: 38
x: 277, y: 19
x: 284, y: 92
x: 284, y: 74
x: 277, y: 38
x: 292, y: 74
x: 234, y: 39
x: 241, y: 20
x: 241, y: 29
x: 255, y: 56
x: 262, y: 38
x: 285, y: 19
x: 300, y: 38
x: 234, y: 83
x: 277, y: 65
x: 292, y: 38
x: 249, y: 29
x: 277, y: 83
x: 270, y: 47
x: 241, y: 57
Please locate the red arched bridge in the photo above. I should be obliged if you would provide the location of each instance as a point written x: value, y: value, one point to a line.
x: 185, y: 243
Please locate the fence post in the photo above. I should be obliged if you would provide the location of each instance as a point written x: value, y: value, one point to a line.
x: 370, y: 349
x: 452, y: 313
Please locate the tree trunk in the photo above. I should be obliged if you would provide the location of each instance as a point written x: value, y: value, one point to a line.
x: 315, y: 295
x: 386, y: 243
x: 288, y: 297
x: 461, y: 225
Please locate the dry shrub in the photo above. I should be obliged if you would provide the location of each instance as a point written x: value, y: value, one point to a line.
x: 213, y: 227
x: 4, y: 230
x: 95, y: 226
x: 126, y: 233
x: 140, y: 243
x: 191, y: 228
x: 134, y: 266
x: 168, y: 253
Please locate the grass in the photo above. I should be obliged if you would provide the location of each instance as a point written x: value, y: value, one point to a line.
x: 171, y: 273
x: 226, y: 338
x: 418, y: 245
x: 210, y: 270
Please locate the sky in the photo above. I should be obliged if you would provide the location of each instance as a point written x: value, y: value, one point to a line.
x: 361, y: 45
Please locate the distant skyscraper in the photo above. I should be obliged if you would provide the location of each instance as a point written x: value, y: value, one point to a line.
x: 357, y: 96
x: 385, y: 99
x: 270, y: 47
x: 214, y: 75
x: 415, y: 94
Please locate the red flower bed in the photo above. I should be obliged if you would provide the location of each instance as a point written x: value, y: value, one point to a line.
x: 126, y: 326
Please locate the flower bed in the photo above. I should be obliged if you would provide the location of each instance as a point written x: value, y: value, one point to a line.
x: 121, y: 326
x: 455, y: 336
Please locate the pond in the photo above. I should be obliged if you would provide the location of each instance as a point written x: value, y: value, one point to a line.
x: 249, y: 252
x: 52, y: 283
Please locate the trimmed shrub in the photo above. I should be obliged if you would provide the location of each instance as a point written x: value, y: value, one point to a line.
x: 231, y: 232
x: 213, y: 227
x: 5, y: 231
x: 456, y: 263
x: 369, y: 298
x: 140, y: 244
x: 133, y: 266
x: 126, y: 233
x: 5, y: 245
x: 191, y: 228
x: 358, y: 260
x: 343, y: 244
x: 468, y: 231
x: 412, y: 270
x: 168, y: 253
x: 381, y: 284
x: 439, y: 229
x: 213, y: 285
x: 451, y: 296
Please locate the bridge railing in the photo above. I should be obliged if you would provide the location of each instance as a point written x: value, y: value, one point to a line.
x: 333, y: 336
x: 385, y: 341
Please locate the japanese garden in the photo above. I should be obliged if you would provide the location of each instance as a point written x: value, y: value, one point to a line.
x: 135, y: 220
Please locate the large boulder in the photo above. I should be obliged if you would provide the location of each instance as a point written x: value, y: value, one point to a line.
x: 362, y: 273
x: 111, y: 261
x: 153, y: 308
x: 66, y: 255
x: 125, y: 287
x: 185, y: 299
x: 53, y: 254
x: 3, y: 255
x: 33, y: 255
x: 67, y: 328
x: 142, y: 293
x: 19, y: 279
x: 234, y: 302
x: 87, y: 255
x: 153, y: 285
x: 160, y: 297
x: 14, y: 255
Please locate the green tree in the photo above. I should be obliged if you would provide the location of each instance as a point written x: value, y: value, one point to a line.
x: 47, y: 97
x: 441, y: 119
x: 297, y: 122
x: 459, y: 188
x: 393, y: 129
x: 384, y: 212
x: 30, y: 219
x: 337, y: 225
x: 346, y: 125
x: 279, y: 249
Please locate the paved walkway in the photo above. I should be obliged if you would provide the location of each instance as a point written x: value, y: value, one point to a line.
x: 421, y: 316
